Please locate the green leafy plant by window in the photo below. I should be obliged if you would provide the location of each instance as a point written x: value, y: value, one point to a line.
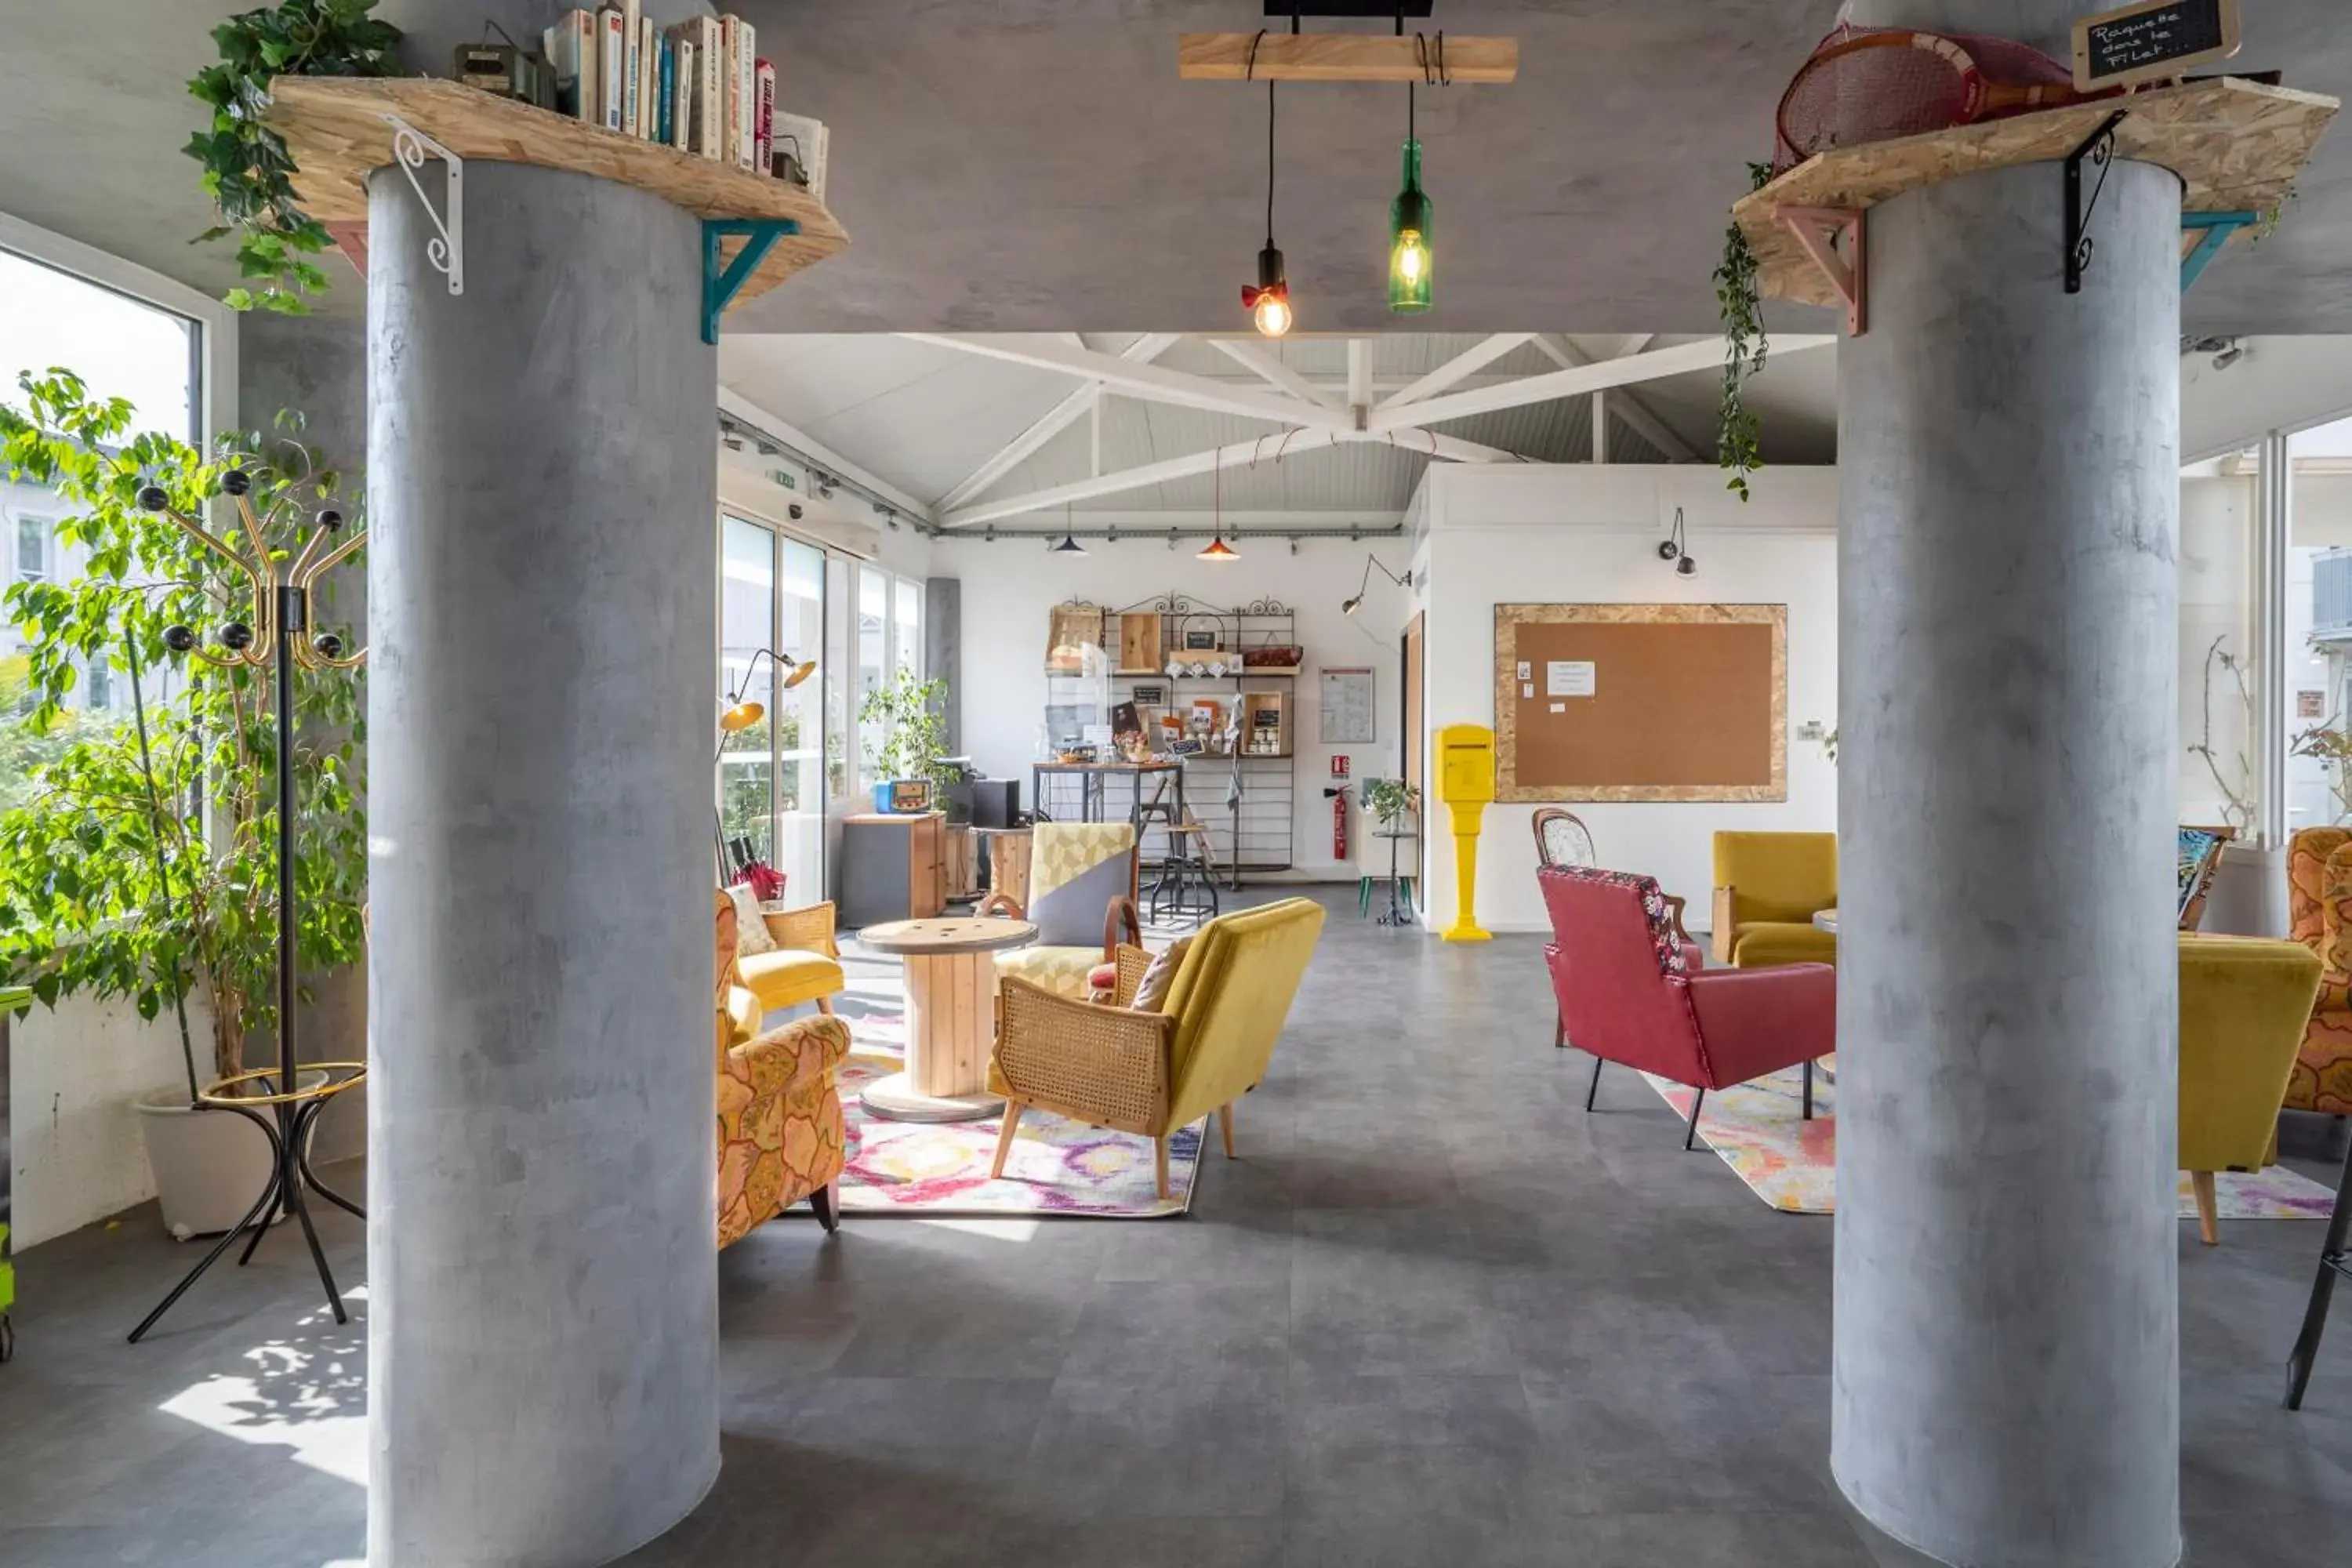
x: 100, y: 892
x: 248, y: 172
x: 1738, y: 294
x: 914, y: 728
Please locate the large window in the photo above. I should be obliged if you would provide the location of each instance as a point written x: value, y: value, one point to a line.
x: 73, y: 316
x: 772, y: 775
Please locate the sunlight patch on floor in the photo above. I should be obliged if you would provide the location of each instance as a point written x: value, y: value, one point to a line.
x: 305, y: 1392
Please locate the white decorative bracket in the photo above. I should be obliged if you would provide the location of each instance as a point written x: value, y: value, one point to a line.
x: 447, y: 250
x: 1818, y: 230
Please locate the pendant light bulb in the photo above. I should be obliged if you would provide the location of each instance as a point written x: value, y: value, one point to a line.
x: 1218, y: 550
x: 1069, y: 545
x: 1269, y: 302
x: 1411, y: 262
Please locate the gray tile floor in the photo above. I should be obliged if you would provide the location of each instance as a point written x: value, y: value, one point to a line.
x: 1434, y: 1315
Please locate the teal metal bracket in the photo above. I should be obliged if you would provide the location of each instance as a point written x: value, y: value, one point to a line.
x: 719, y: 284
x: 2212, y: 231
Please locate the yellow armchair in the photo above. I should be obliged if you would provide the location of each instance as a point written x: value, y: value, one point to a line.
x: 1768, y: 889
x: 2244, y: 1005
x: 1152, y: 1073
x: 2319, y: 916
x: 780, y: 1124
x: 804, y: 964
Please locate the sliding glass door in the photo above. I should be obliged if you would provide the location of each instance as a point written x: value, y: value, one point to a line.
x: 771, y: 772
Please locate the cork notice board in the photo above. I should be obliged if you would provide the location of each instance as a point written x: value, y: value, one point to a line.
x: 1640, y: 702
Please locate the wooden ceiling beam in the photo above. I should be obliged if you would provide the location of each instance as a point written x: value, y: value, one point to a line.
x: 1346, y: 56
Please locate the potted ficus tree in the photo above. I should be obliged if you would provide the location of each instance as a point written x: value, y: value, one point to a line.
x: 140, y: 864
x: 914, y: 733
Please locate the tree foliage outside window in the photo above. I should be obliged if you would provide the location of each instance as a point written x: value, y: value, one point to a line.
x: 100, y: 893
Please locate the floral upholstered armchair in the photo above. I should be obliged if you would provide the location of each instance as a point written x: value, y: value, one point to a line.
x: 780, y: 1128
x: 2319, y: 916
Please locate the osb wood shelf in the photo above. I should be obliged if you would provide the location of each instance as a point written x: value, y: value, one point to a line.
x: 2237, y: 146
x: 336, y: 130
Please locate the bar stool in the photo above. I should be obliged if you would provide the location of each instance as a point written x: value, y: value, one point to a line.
x: 1185, y: 889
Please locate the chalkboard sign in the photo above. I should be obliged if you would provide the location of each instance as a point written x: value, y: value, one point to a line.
x: 2151, y: 40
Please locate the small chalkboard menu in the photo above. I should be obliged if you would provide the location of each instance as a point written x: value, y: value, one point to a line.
x: 2151, y: 40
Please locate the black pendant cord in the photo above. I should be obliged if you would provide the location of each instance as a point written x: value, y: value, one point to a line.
x: 294, y: 1119
x: 1269, y: 165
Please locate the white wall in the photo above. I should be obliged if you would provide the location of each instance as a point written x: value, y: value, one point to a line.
x: 74, y: 1142
x: 1010, y: 586
x: 1589, y: 535
x: 2217, y: 543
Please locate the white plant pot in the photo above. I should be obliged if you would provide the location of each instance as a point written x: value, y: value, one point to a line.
x: 209, y: 1165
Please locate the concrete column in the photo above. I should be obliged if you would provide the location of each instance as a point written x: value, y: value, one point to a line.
x: 943, y: 650
x: 2007, y: 1380
x: 543, y: 480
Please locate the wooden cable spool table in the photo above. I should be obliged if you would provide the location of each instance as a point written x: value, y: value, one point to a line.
x: 950, y: 1016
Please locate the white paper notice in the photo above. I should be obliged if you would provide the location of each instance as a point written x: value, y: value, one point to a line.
x: 1568, y: 678
x: 1559, y: 707
x: 1527, y: 690
x: 1527, y: 670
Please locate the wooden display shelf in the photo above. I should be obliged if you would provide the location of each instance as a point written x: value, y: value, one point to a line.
x: 337, y: 130
x: 2237, y: 146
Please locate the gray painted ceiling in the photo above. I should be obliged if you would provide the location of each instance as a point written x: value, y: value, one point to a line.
x: 1036, y: 165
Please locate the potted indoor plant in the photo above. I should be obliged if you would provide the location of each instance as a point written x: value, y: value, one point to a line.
x: 140, y: 864
x: 1391, y: 801
x: 914, y: 733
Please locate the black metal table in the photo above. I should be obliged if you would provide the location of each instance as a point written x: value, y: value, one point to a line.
x: 1398, y: 913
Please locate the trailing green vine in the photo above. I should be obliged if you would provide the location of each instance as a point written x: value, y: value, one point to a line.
x: 248, y: 172
x: 1738, y: 294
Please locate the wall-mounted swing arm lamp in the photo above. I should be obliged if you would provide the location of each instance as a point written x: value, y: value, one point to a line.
x: 1354, y: 602
x: 741, y: 712
x: 1676, y: 547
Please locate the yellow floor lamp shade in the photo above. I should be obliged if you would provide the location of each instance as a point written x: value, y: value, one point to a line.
x: 1466, y: 782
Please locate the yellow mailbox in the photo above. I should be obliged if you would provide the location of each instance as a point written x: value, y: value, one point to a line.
x: 1466, y: 782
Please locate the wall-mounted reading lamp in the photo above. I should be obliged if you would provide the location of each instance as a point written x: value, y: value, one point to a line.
x: 1350, y: 605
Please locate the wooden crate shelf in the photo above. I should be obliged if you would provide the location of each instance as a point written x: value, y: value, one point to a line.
x: 2237, y: 146
x: 335, y: 128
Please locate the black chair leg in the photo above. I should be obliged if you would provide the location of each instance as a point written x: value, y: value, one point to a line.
x: 1692, y: 1131
x: 1809, y: 1088
x: 1559, y: 1030
x: 1595, y: 1088
x: 2332, y: 1262
x: 828, y: 1214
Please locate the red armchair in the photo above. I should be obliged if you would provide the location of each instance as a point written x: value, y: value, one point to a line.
x: 1637, y: 998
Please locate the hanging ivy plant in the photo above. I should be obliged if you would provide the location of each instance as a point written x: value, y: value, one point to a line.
x: 1744, y: 348
x: 248, y: 173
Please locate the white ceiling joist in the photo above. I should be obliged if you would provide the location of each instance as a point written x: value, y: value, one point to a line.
x: 1153, y: 383
x: 1271, y: 369
x: 1627, y: 405
x: 1558, y: 384
x: 1470, y: 361
x: 821, y: 456
x: 1057, y: 419
x: 1234, y: 455
x: 1359, y: 375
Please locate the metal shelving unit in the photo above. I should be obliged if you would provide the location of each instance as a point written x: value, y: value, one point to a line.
x: 1246, y: 801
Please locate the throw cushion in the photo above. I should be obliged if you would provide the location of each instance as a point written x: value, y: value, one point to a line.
x: 1151, y: 991
x: 1072, y: 914
x: 750, y: 928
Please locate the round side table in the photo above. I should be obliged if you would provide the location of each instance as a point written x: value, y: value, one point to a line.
x: 950, y: 1016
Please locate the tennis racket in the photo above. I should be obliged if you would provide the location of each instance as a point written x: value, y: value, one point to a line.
x: 1873, y: 86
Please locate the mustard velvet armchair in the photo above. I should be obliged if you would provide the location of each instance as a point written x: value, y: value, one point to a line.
x: 1152, y: 1073
x: 804, y: 966
x: 780, y: 1124
x: 2319, y: 916
x: 1768, y: 887
x: 2244, y: 1005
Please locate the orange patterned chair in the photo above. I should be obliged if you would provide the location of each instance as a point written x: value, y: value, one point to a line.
x: 780, y: 1131
x: 2319, y: 916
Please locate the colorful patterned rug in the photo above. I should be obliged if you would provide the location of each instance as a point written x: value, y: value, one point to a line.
x: 929, y: 1170
x: 1791, y: 1164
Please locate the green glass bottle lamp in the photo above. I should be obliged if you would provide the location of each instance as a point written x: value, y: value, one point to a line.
x: 1411, y: 260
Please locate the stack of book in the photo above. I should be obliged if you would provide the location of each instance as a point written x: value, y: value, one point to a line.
x: 700, y: 86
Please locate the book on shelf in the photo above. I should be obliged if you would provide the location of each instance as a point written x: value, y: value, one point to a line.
x: 632, y: 71
x: 804, y: 140
x: 742, y: 90
x: 648, y: 79
x: 764, y: 121
x: 571, y: 45
x: 612, y: 68
x: 701, y: 103
x: 665, y: 99
x: 681, y: 119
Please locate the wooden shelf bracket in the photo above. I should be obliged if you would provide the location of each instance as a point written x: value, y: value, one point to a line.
x: 2213, y: 230
x: 447, y: 250
x: 1818, y: 229
x: 720, y: 283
